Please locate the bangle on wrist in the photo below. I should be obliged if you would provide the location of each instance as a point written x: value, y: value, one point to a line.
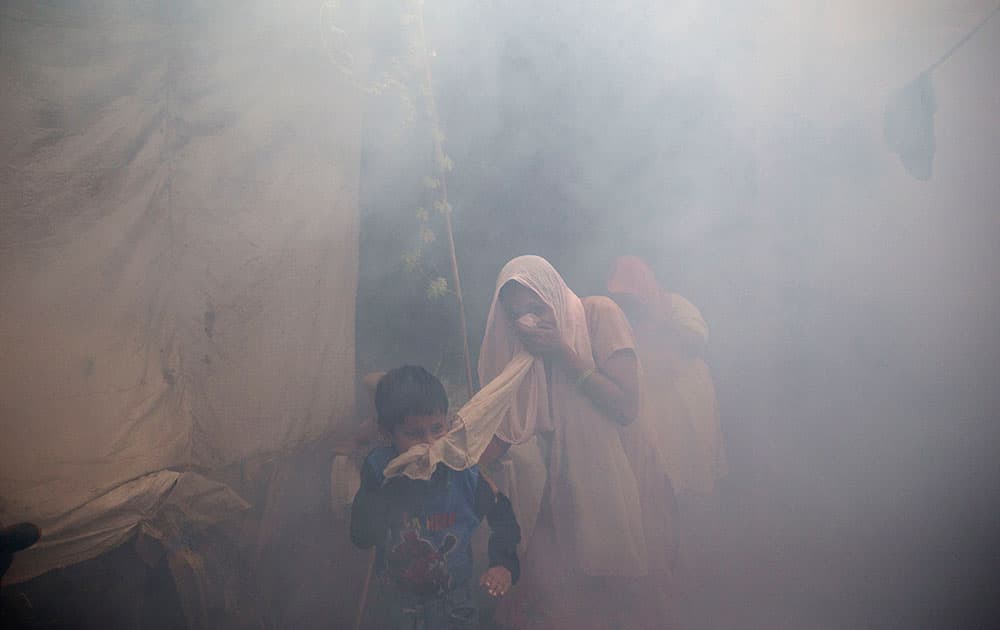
x: 583, y: 377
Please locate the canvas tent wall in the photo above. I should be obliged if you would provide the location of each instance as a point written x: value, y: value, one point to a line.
x: 178, y: 255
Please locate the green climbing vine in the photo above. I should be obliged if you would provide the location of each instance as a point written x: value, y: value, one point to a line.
x: 405, y: 77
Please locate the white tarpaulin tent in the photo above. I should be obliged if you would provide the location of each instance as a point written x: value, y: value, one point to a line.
x: 178, y: 255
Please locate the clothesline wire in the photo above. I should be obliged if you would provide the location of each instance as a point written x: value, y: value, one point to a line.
x: 962, y: 42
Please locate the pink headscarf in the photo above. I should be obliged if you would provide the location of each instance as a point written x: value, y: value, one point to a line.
x: 592, y: 490
x: 631, y: 275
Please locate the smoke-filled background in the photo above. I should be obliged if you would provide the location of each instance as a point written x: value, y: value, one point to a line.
x: 178, y: 242
x: 745, y: 150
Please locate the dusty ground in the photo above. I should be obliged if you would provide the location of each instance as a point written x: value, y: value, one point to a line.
x: 759, y: 566
x: 783, y: 569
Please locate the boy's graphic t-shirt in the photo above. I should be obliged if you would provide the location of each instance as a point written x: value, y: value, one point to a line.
x: 427, y: 526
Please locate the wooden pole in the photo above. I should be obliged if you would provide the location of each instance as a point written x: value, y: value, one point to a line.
x: 461, y: 305
x: 363, y: 599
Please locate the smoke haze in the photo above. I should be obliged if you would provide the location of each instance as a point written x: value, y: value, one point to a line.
x: 738, y: 147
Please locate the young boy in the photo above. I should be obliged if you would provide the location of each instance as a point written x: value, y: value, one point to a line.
x: 422, y: 529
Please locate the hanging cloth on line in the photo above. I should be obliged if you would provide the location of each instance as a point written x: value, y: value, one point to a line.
x: 908, y: 121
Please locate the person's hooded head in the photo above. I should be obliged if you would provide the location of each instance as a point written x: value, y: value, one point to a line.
x: 632, y: 284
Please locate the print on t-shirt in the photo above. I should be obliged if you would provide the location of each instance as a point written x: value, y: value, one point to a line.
x: 415, y: 564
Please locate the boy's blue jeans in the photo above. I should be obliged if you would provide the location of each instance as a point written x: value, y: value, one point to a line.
x: 455, y: 610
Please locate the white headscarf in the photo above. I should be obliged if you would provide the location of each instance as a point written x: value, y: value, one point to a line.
x: 531, y: 412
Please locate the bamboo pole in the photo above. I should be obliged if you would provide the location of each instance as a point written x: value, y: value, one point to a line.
x: 363, y: 600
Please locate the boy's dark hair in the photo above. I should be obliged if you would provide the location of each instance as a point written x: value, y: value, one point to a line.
x: 408, y: 391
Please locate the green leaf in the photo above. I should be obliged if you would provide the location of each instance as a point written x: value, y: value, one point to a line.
x: 411, y: 260
x: 437, y: 288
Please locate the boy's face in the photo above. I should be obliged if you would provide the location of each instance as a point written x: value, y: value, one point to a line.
x: 419, y: 430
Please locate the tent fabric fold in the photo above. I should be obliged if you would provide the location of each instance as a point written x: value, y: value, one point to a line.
x: 178, y: 253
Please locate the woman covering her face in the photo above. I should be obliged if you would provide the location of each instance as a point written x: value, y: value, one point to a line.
x: 601, y: 511
x: 677, y: 387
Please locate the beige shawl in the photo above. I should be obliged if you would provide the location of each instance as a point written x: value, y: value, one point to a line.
x: 472, y: 429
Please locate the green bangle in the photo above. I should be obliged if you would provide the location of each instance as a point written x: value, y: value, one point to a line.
x: 583, y: 377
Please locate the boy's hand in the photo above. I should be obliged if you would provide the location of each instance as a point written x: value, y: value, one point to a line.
x: 496, y: 581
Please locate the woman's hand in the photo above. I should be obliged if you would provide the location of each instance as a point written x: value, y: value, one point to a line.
x: 543, y: 340
x: 496, y: 449
x: 496, y: 581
